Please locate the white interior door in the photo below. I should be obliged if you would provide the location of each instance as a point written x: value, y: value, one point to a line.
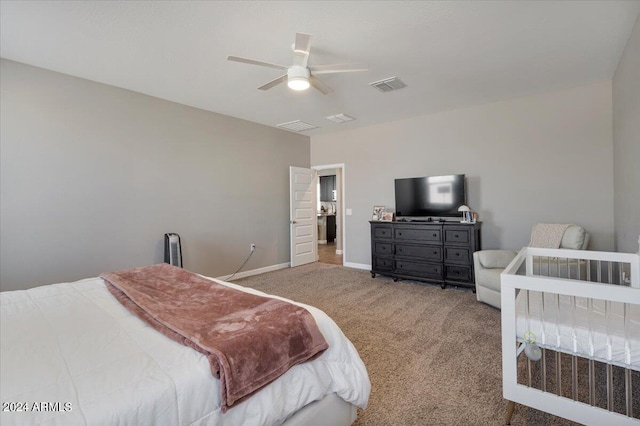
x: 303, y: 215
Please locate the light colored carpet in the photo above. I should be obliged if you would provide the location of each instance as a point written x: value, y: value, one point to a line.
x: 433, y: 355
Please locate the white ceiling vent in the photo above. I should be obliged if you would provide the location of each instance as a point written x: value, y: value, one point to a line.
x: 297, y: 126
x: 388, y: 84
x: 340, y: 118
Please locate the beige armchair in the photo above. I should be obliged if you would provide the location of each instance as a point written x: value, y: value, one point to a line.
x: 489, y: 264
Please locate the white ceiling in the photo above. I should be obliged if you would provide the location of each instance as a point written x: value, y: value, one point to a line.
x: 450, y: 54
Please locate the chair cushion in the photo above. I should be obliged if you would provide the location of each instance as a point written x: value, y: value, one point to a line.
x: 489, y: 278
x: 573, y: 238
x: 496, y: 258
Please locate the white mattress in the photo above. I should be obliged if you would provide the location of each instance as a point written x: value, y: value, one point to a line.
x: 74, y: 343
x: 576, y: 331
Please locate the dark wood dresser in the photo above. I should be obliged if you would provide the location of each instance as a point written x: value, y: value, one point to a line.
x: 435, y: 252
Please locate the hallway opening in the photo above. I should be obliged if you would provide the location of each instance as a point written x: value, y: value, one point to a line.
x: 327, y: 254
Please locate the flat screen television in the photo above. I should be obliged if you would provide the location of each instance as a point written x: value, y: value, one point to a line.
x: 430, y: 196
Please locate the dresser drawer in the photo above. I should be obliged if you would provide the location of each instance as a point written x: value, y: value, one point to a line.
x: 382, y: 263
x: 457, y: 255
x: 433, y: 235
x: 433, y: 253
x: 458, y: 273
x: 382, y: 232
x: 382, y: 248
x: 457, y: 236
x: 421, y: 269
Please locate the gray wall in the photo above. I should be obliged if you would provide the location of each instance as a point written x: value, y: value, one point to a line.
x: 543, y: 158
x: 626, y: 145
x: 92, y: 176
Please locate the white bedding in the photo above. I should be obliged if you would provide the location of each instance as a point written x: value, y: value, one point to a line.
x: 74, y: 343
x: 576, y: 331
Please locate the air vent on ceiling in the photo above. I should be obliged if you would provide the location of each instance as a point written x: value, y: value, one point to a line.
x: 297, y: 126
x: 388, y: 84
x: 340, y: 118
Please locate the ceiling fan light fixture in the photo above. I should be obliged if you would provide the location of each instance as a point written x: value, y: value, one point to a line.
x: 298, y: 83
x: 298, y: 78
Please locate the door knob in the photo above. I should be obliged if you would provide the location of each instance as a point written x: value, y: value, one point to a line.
x: 293, y: 222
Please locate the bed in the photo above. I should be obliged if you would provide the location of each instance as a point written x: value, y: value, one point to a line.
x: 71, y: 354
x: 571, y: 334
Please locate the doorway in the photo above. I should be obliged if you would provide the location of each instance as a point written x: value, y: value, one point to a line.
x: 331, y: 223
x: 327, y: 253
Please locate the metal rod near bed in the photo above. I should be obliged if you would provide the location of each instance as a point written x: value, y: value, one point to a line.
x: 571, y: 334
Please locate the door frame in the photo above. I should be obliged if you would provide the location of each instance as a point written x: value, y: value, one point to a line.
x: 343, y: 208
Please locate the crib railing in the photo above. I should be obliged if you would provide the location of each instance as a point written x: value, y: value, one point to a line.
x: 579, y: 296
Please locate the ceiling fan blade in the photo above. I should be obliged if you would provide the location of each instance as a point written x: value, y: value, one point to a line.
x: 318, y: 84
x: 301, y: 49
x: 254, y: 62
x: 273, y: 82
x: 336, y: 68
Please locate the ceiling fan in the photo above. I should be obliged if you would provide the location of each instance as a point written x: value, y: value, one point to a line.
x: 299, y: 76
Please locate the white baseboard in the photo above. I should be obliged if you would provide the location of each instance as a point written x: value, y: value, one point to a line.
x: 256, y: 271
x: 357, y: 265
x: 338, y: 252
x: 322, y: 241
x: 271, y: 268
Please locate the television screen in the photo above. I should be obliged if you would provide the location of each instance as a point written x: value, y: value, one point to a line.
x: 430, y: 196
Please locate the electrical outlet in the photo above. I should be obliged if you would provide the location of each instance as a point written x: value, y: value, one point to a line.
x: 252, y: 247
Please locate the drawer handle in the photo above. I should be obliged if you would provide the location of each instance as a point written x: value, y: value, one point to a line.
x: 384, y: 247
x: 399, y: 233
x: 400, y: 249
x: 383, y: 232
x: 435, y: 235
x: 457, y: 236
x: 435, y: 252
x: 457, y: 254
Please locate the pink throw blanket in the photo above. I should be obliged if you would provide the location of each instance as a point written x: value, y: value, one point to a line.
x: 249, y: 340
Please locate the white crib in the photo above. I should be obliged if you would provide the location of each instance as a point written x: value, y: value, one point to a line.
x: 582, y: 309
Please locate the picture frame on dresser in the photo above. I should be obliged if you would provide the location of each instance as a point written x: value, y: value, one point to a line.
x: 377, y: 212
x: 386, y: 217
